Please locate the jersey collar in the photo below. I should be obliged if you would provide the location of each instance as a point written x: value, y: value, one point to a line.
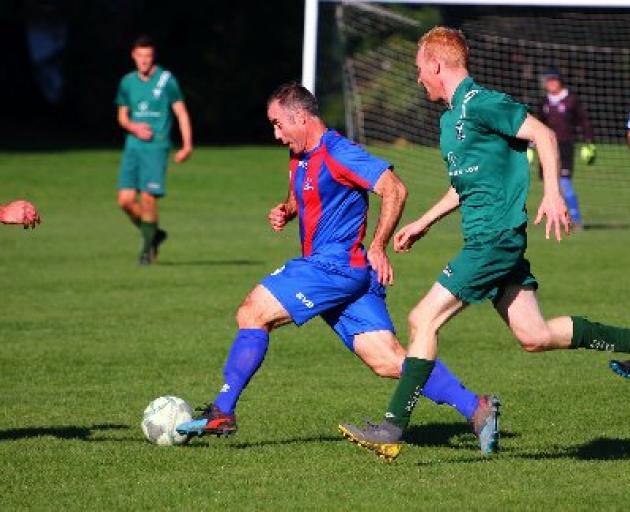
x: 308, y: 153
x: 156, y: 72
x: 461, y: 90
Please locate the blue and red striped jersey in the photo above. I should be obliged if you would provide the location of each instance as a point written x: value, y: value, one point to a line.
x: 331, y: 184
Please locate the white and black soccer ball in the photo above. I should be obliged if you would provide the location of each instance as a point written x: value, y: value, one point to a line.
x: 162, y: 416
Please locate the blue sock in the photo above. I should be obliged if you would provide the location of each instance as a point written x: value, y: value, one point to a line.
x: 570, y: 197
x: 246, y: 356
x: 444, y: 388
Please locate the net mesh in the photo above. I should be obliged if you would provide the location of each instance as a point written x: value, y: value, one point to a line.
x: 387, y: 111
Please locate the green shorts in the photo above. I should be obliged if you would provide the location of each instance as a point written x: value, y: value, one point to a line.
x: 487, y: 264
x: 144, y: 170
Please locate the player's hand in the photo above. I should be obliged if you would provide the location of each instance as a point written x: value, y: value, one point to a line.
x: 555, y: 209
x: 409, y: 235
x: 278, y: 217
x: 380, y: 263
x: 183, y: 154
x: 20, y: 212
x: 142, y: 130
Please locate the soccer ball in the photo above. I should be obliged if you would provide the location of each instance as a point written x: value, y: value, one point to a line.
x: 162, y: 416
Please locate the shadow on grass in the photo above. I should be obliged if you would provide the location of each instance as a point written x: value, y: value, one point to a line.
x: 606, y: 226
x: 601, y: 448
x: 60, y: 432
x: 434, y: 434
x: 209, y: 263
x: 271, y: 442
x: 441, y: 434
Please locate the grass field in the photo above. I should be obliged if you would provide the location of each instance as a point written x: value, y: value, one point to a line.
x: 88, y: 339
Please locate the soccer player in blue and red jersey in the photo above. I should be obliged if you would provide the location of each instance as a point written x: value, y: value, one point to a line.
x: 336, y: 277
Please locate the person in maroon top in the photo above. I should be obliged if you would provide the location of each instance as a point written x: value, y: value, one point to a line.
x: 563, y: 112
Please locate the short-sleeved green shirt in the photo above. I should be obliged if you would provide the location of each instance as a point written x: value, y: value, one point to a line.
x: 486, y: 164
x: 150, y: 101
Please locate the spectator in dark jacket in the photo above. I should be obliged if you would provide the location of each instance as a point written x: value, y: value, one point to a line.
x: 562, y: 111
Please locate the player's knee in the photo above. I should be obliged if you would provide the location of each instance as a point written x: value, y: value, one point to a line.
x: 125, y: 202
x: 248, y: 315
x: 388, y: 370
x: 420, y: 320
x: 533, y: 341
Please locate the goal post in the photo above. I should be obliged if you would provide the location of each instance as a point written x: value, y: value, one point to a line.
x: 386, y: 110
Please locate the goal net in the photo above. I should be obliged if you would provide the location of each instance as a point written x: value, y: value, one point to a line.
x: 387, y: 111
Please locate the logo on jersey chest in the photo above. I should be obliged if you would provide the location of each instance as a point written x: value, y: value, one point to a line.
x: 308, y: 184
x: 459, y: 130
x: 143, y: 106
x: 308, y: 180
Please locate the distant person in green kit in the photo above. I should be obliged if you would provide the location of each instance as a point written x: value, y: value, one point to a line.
x: 147, y: 99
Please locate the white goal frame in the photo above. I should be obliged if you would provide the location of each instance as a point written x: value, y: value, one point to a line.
x: 311, y: 15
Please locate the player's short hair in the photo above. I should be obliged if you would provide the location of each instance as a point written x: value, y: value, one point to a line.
x: 448, y: 44
x: 293, y: 96
x: 143, y: 41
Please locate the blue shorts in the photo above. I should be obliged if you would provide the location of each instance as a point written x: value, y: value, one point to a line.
x: 350, y: 301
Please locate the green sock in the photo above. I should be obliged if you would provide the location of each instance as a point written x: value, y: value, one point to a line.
x: 135, y: 221
x: 415, y: 374
x: 148, y: 230
x: 596, y: 336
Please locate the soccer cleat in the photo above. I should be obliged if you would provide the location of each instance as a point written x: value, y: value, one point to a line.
x: 159, y: 238
x: 485, y: 423
x: 621, y: 368
x: 385, y: 439
x: 211, y: 421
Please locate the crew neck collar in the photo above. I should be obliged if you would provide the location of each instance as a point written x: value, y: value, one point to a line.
x: 460, y: 91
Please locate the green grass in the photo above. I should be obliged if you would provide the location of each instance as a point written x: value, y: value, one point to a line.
x: 87, y: 339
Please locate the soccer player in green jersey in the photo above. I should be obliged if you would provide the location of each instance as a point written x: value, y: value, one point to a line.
x: 147, y: 99
x: 483, y: 140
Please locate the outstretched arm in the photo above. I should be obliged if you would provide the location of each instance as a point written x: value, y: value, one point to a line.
x: 411, y: 233
x: 393, y: 196
x: 20, y: 212
x: 552, y: 205
x: 183, y: 119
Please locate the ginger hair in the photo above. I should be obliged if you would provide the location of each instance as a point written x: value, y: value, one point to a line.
x: 447, y: 44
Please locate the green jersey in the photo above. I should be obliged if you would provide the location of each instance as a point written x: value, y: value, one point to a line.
x: 150, y: 102
x: 486, y: 164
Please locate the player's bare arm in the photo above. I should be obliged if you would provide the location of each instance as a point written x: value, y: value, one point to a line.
x: 141, y: 130
x: 552, y: 205
x: 20, y: 212
x: 282, y: 213
x: 393, y: 196
x: 411, y: 233
x: 183, y: 120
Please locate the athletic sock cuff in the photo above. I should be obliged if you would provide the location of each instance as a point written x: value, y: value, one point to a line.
x: 579, y: 326
x: 260, y: 334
